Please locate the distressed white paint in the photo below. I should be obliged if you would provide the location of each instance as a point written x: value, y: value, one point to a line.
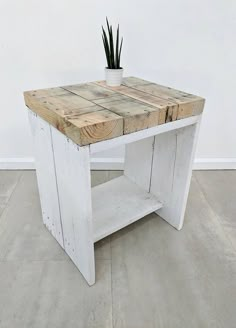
x: 163, y: 166
x: 46, y: 176
x: 72, y: 165
x: 172, y: 170
x: 138, y: 162
x: 157, y: 176
x: 118, y: 203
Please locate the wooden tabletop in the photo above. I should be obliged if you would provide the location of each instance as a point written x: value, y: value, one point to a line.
x: 92, y: 112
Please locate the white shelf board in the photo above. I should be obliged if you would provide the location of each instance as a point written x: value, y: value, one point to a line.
x: 118, y: 203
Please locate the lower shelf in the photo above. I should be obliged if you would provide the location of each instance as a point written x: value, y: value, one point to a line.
x: 118, y: 203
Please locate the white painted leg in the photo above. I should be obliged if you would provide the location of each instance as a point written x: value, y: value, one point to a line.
x: 72, y: 165
x: 44, y: 161
x: 138, y: 162
x: 171, y: 171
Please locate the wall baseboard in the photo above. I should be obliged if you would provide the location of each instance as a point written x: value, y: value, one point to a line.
x: 214, y: 164
x: 27, y: 163
x: 17, y: 163
x: 107, y: 163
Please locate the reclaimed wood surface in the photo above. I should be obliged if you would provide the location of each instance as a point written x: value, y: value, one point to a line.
x: 92, y: 112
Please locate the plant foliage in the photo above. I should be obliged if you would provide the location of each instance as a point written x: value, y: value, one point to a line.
x: 112, y: 48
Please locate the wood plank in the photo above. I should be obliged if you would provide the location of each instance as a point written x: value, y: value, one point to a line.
x: 74, y: 188
x: 189, y: 104
x: 145, y: 97
x: 190, y: 108
x: 163, y: 165
x: 156, y: 89
x: 43, y: 93
x: 137, y: 116
x: 139, y: 86
x: 140, y: 103
x: 172, y: 104
x: 139, y: 135
x: 56, y: 116
x: 89, y: 91
x: 127, y: 204
x: 96, y: 126
x: 167, y: 109
x: 172, y: 170
x: 69, y: 104
x: 138, y: 162
x: 66, y: 104
x: 131, y: 81
x: 139, y: 95
x: 83, y: 125
x: 46, y: 177
x: 115, y: 97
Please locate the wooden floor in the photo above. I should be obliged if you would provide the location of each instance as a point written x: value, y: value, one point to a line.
x: 148, y: 275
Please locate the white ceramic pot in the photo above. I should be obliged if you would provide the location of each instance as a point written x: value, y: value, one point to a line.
x: 113, y: 76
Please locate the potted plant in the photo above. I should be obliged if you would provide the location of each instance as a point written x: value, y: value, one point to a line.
x: 113, y: 71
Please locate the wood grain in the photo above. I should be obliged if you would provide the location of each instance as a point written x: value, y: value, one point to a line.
x: 67, y: 113
x: 92, y: 112
x: 172, y: 104
x: 137, y: 116
x: 188, y: 104
x: 89, y: 91
x: 46, y: 92
x: 96, y: 126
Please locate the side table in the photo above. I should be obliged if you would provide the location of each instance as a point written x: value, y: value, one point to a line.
x: 158, y: 126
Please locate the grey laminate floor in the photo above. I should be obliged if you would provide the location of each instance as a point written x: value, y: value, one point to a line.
x: 148, y: 274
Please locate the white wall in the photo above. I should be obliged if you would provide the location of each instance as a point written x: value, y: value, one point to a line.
x: 188, y: 45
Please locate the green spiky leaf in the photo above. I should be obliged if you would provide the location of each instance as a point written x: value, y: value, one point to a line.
x: 120, y: 51
x: 106, y: 51
x: 112, y: 48
x: 117, y: 48
x: 106, y: 47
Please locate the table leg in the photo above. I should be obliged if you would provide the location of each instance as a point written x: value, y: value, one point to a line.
x: 173, y: 156
x: 46, y: 177
x: 162, y: 165
x: 68, y: 170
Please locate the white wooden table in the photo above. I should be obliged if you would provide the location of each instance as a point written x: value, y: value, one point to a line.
x: 158, y: 126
